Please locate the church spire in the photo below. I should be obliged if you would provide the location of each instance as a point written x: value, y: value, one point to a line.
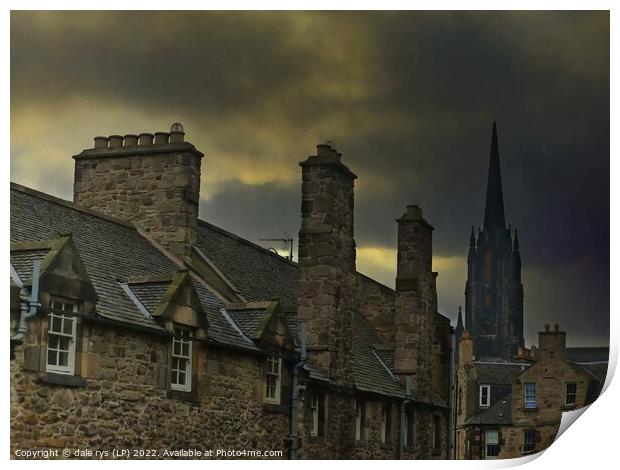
x: 494, y: 208
x: 459, y: 320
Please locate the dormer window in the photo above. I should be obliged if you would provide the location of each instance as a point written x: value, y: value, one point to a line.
x: 273, y: 380
x: 181, y: 370
x: 485, y: 396
x: 61, y: 337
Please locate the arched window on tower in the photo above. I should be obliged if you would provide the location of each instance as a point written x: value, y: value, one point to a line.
x: 487, y: 265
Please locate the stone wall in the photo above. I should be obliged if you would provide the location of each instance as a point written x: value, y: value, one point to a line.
x: 376, y: 303
x: 124, y: 402
x: 156, y: 185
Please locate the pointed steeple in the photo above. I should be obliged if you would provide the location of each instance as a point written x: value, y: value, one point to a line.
x: 515, y: 246
x: 494, y: 220
x: 458, y: 330
x: 472, y: 239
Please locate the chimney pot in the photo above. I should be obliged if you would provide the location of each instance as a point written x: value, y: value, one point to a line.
x: 145, y: 138
x: 413, y: 210
x: 327, y: 149
x: 130, y: 140
x: 176, y: 133
x: 116, y: 141
x: 101, y: 142
x: 161, y: 137
x: 547, y: 328
x: 556, y: 327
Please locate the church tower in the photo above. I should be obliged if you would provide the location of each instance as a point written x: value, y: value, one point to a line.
x: 493, y: 292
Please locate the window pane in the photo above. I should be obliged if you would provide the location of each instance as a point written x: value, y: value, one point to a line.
x: 52, y: 357
x: 52, y: 341
x: 56, y: 324
x: 181, y: 378
x: 176, y: 348
x: 68, y: 326
x: 186, y: 349
x: 64, y: 343
x: 63, y: 359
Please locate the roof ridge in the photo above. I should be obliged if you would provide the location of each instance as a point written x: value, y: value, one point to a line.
x: 71, y: 205
x: 244, y: 241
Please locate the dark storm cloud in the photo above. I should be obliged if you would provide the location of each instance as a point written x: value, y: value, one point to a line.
x: 408, y: 97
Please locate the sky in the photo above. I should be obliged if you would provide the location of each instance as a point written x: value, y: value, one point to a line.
x: 408, y: 98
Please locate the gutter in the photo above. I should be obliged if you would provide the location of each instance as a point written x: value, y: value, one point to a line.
x: 451, y: 398
x: 296, y: 389
x: 404, y: 403
x: 28, y: 306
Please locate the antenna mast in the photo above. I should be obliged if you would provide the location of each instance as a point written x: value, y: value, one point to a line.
x: 287, y: 244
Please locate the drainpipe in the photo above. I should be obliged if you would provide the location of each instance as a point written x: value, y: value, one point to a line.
x: 294, y: 451
x: 27, y: 307
x: 404, y: 403
x: 451, y: 398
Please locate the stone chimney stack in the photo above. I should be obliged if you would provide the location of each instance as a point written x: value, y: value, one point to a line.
x: 326, y: 292
x: 551, y: 344
x: 415, y: 298
x: 153, y: 181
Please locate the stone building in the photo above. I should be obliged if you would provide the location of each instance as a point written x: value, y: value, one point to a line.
x: 511, y: 409
x: 493, y: 291
x: 136, y: 325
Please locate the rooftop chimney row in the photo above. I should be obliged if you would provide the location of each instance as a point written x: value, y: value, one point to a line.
x: 175, y: 136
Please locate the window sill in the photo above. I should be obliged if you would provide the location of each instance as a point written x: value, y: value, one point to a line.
x: 316, y: 440
x: 569, y: 407
x: 275, y: 408
x: 529, y: 409
x: 62, y: 379
x: 190, y: 397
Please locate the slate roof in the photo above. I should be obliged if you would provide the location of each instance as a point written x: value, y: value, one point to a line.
x: 248, y: 320
x: 499, y: 413
x: 497, y: 372
x: 150, y: 294
x: 370, y: 374
x: 22, y: 262
x: 111, y: 250
x: 587, y: 354
x: 257, y: 273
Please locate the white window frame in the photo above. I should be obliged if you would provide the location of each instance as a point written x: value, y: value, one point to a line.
x: 529, y: 402
x: 315, y: 415
x: 53, y: 318
x: 181, y: 337
x: 485, y: 403
x: 573, y: 394
x: 532, y: 433
x: 359, y: 411
x: 273, y: 372
x: 385, y: 422
x: 488, y: 441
